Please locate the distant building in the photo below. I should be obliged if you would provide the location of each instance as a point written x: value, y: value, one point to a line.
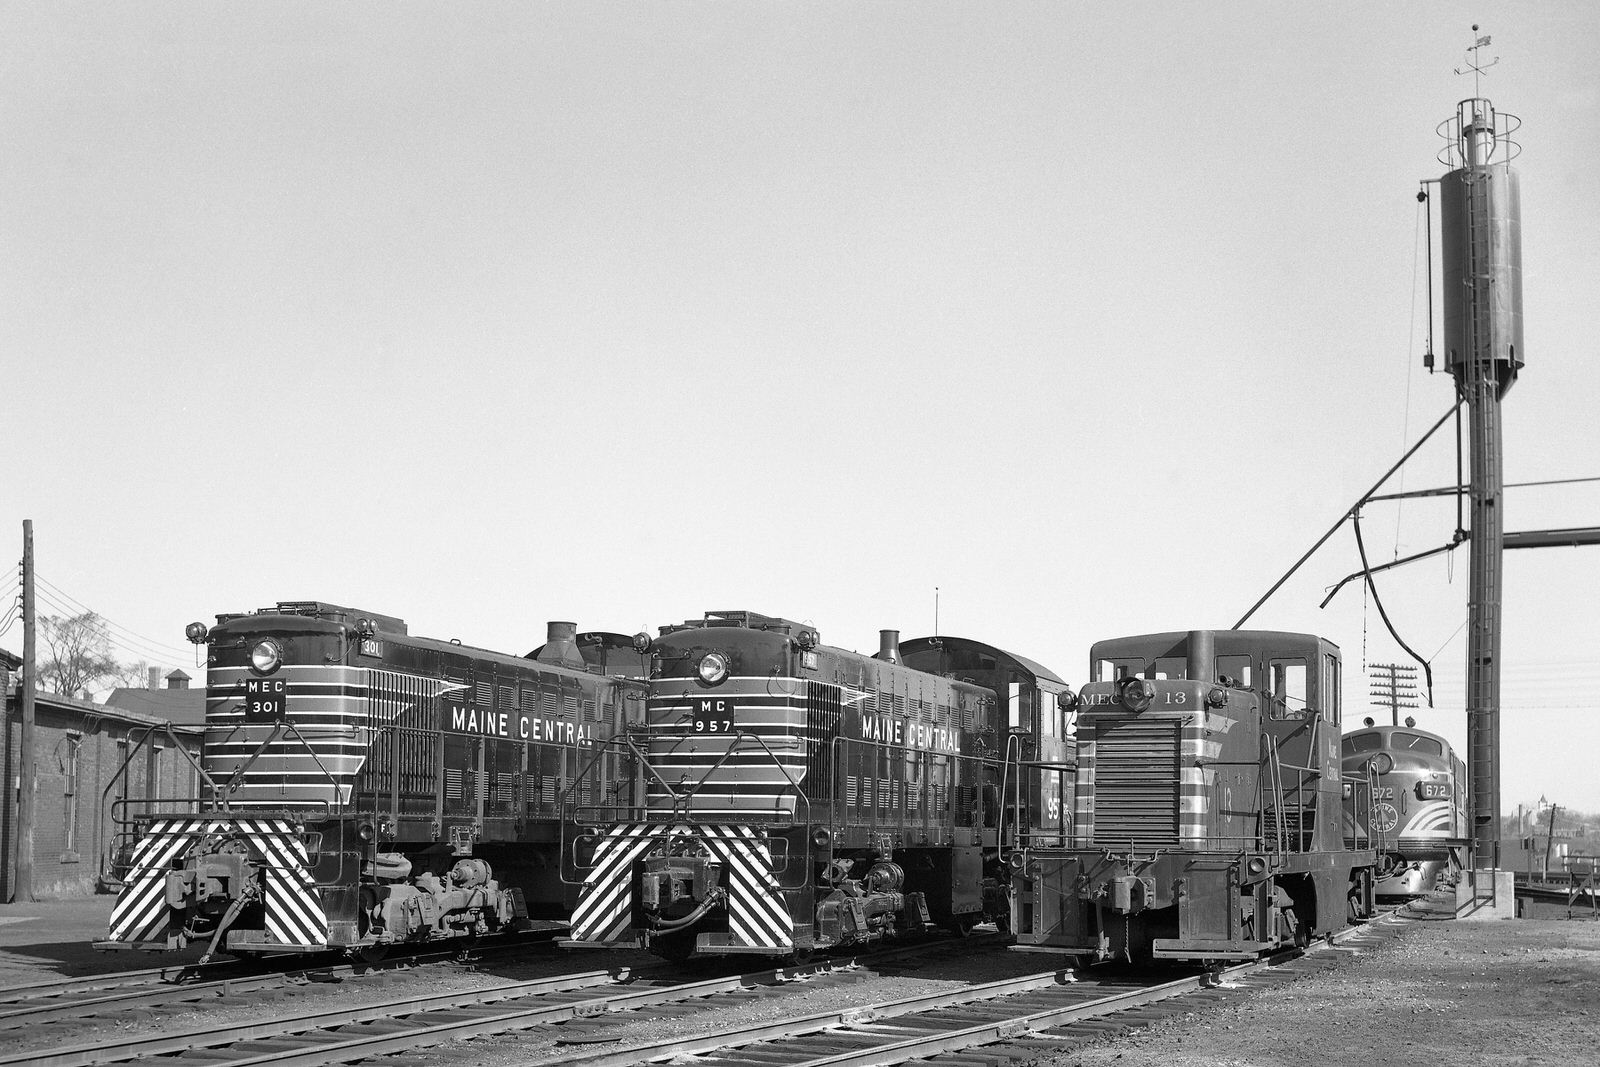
x: 93, y: 762
x: 177, y: 703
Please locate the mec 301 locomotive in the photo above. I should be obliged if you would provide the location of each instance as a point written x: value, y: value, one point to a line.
x: 364, y: 787
x: 1419, y: 804
x: 1209, y: 805
x: 797, y: 796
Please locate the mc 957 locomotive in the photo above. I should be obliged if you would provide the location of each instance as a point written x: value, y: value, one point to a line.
x: 796, y: 796
x: 1208, y: 792
x: 364, y: 787
x: 1419, y: 804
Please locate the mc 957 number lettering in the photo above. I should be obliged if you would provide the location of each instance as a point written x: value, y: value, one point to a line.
x: 713, y: 715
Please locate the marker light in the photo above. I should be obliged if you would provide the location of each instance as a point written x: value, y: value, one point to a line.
x: 196, y: 632
x: 1216, y: 697
x: 641, y: 643
x: 713, y: 668
x: 1135, y: 694
x: 1383, y: 763
x: 806, y: 639
x: 266, y: 657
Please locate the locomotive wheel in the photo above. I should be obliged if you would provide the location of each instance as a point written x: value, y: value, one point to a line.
x: 676, y: 948
x: 371, y: 953
x: 961, y: 925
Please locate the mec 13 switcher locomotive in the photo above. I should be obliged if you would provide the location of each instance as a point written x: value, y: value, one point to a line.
x: 797, y: 796
x: 1209, y: 805
x: 1419, y: 803
x: 364, y: 787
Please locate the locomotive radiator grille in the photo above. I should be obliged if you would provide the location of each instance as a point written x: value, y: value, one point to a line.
x: 1133, y: 774
x: 329, y: 707
x: 751, y: 771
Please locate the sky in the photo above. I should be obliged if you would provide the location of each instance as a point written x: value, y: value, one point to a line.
x: 1038, y: 323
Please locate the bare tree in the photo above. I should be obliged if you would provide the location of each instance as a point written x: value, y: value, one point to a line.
x: 76, y: 653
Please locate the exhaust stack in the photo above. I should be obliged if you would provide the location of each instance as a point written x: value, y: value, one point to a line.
x: 561, y: 646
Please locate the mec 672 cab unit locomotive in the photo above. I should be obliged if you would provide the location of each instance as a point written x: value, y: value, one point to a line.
x: 1419, y: 801
x: 364, y: 787
x: 797, y: 796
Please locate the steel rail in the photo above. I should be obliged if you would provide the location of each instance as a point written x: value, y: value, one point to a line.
x: 405, y: 1024
x: 44, y: 1002
x: 164, y: 1044
x: 851, y: 1025
x: 467, y: 1022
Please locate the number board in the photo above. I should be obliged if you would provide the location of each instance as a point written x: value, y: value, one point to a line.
x: 1433, y: 790
x: 265, y: 699
x: 713, y: 715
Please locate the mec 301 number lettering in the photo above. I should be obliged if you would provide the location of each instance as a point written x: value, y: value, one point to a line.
x: 713, y: 715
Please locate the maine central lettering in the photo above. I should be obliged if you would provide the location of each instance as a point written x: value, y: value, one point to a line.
x: 889, y: 730
x: 471, y: 720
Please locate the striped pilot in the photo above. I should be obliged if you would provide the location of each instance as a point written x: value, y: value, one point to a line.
x: 794, y: 796
x: 1208, y: 793
x: 362, y: 787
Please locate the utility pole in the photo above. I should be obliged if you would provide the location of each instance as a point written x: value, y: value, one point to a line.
x: 1393, y: 687
x: 26, y: 776
x: 1550, y: 839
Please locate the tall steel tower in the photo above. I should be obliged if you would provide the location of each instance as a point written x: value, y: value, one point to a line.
x: 1481, y: 241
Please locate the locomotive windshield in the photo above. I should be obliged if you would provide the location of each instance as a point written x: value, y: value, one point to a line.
x: 1416, y: 743
x: 1363, y: 743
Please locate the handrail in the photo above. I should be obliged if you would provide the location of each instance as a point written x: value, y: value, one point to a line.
x: 639, y: 807
x: 144, y: 739
x: 281, y: 728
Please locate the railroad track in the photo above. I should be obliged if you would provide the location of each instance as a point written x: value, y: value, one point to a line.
x: 1027, y: 1016
x: 104, y: 994
x: 1016, y: 1019
x: 402, y: 1026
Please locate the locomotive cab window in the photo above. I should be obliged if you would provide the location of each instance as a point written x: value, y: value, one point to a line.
x: 1110, y: 670
x: 1363, y: 743
x: 1414, y: 743
x: 1236, y: 669
x: 1288, y: 678
x: 1328, y: 691
x: 1170, y: 667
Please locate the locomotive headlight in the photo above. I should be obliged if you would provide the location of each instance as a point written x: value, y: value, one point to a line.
x: 1135, y: 694
x: 713, y: 668
x: 266, y: 657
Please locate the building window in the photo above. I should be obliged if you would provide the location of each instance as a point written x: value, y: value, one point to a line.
x: 69, y: 805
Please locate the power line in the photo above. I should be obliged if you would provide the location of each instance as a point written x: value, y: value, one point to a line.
x: 165, y: 651
x: 120, y: 636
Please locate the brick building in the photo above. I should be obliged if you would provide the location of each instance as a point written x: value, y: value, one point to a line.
x: 89, y: 757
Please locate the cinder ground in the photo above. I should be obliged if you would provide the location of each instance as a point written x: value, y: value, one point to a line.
x: 51, y: 939
x: 1501, y: 993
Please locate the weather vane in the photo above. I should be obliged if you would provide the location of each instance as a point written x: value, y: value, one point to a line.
x: 1473, y: 65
